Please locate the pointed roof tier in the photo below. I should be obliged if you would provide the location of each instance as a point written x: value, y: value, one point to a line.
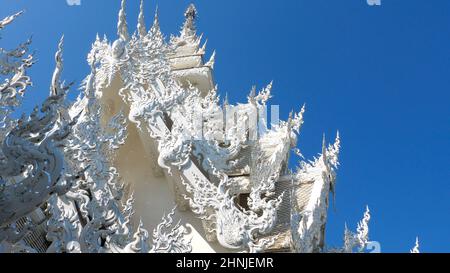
x: 187, y: 60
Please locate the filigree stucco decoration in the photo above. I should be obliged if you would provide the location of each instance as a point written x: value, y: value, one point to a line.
x: 105, y: 223
x: 224, y: 163
x: 308, y: 223
x: 234, y: 228
x: 31, y: 163
x: 192, y: 132
x: 60, y: 160
x: 13, y: 78
x: 357, y: 242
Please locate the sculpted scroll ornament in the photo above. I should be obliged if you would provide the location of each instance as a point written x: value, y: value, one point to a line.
x: 357, y: 241
x: 31, y: 165
x: 106, y: 225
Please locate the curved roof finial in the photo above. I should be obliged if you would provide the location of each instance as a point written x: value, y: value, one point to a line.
x: 155, y: 30
x: 191, y: 12
x: 189, y: 24
x: 324, y: 146
x: 416, y: 247
x: 333, y: 151
x: 122, y: 27
x: 55, y: 88
x: 141, y: 20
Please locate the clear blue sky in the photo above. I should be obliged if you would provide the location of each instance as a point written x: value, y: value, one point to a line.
x: 379, y: 75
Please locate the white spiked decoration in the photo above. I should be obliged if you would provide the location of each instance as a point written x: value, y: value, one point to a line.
x: 202, y: 50
x: 357, y: 242
x: 13, y: 80
x: 8, y: 20
x: 307, y: 225
x: 155, y: 30
x: 141, y: 21
x: 212, y: 60
x: 363, y: 229
x: 415, y: 249
x: 122, y: 27
x: 56, y: 88
x: 189, y: 29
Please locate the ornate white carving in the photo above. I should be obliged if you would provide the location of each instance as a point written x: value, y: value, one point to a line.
x: 415, y: 249
x: 85, y: 213
x: 31, y: 165
x: 97, y: 197
x: 235, y: 228
x: 68, y: 151
x: 307, y: 225
x: 357, y: 242
x: 170, y: 239
x: 32, y: 143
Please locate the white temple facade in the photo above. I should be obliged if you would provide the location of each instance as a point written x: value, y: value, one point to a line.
x: 149, y: 136
x: 155, y: 190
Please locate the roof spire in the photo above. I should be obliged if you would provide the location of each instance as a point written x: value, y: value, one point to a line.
x: 225, y: 101
x: 289, y: 121
x: 9, y: 19
x: 155, y: 29
x: 90, y: 83
x: 89, y: 90
x: 252, y: 95
x: 337, y: 143
x: 416, y: 247
x: 202, y: 50
x: 324, y: 147
x: 211, y: 61
x: 122, y: 27
x: 55, y: 88
x: 296, y: 121
x: 333, y: 151
x: 189, y: 28
x: 141, y: 21
x: 363, y: 228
